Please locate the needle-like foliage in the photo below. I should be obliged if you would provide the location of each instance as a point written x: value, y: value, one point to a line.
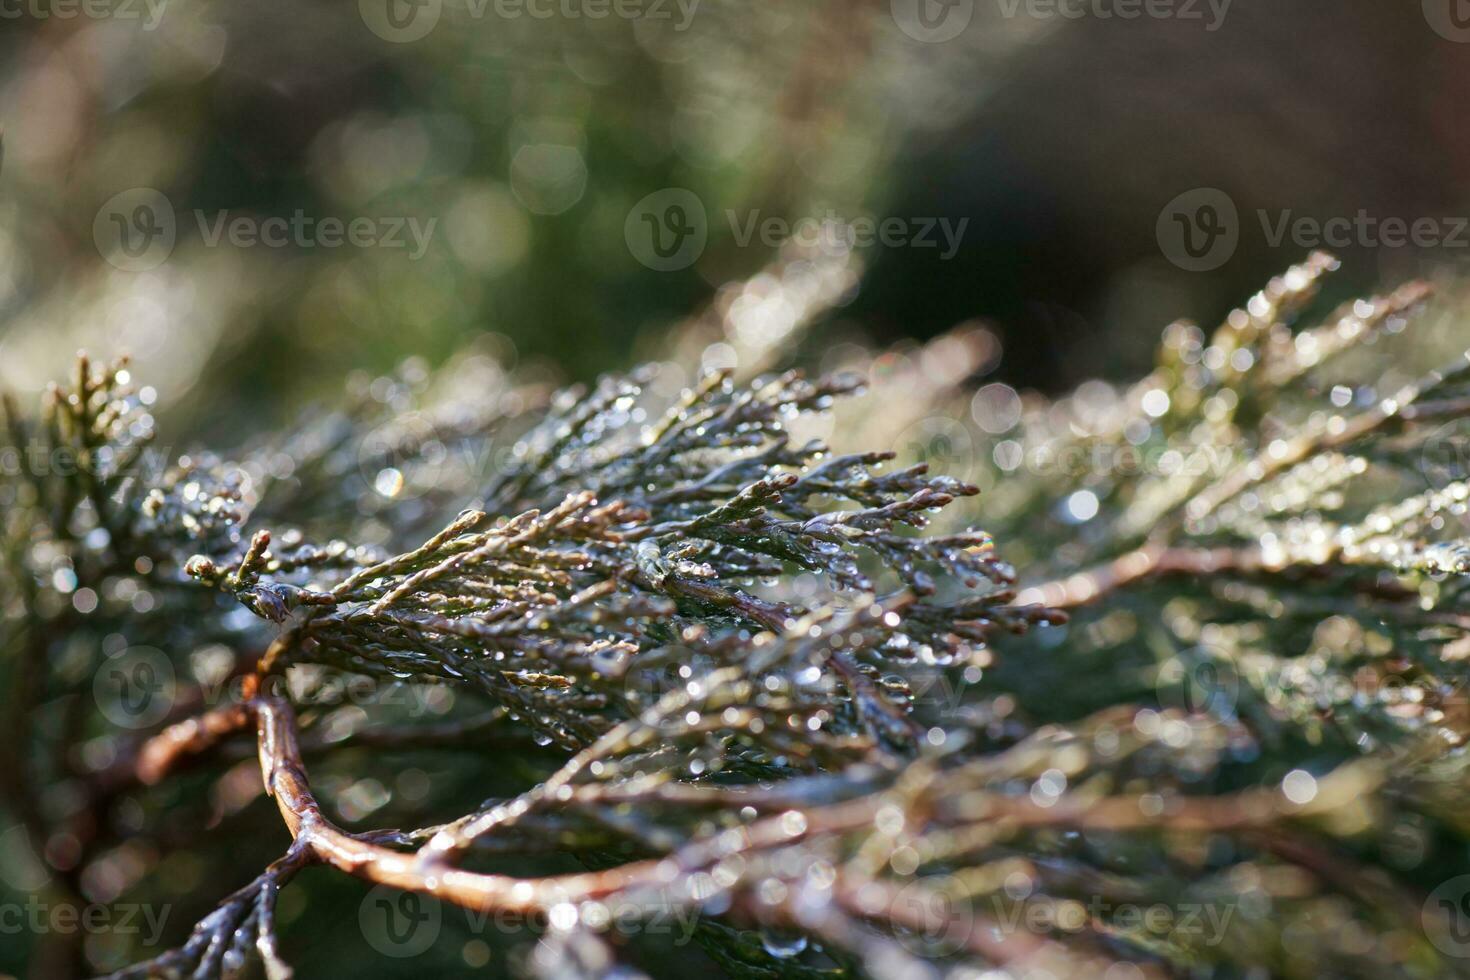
x: 746, y: 681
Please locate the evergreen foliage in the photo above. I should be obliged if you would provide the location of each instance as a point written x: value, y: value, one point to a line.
x: 784, y: 688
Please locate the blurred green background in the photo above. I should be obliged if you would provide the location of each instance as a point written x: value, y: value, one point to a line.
x: 528, y: 139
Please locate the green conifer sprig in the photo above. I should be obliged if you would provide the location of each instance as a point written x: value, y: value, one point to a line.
x: 745, y: 680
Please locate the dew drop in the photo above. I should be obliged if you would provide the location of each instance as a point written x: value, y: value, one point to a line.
x: 782, y: 944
